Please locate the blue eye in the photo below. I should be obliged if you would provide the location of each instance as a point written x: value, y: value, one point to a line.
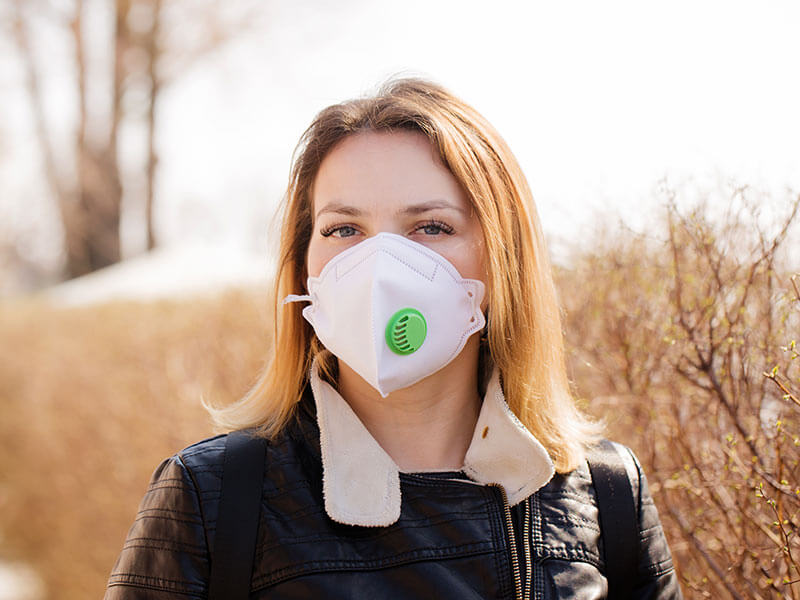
x: 339, y: 231
x: 345, y: 231
x: 435, y: 228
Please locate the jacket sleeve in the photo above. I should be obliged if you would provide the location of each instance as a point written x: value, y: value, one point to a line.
x: 165, y: 555
x: 657, y: 578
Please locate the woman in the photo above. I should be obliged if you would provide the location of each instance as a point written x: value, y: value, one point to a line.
x: 422, y: 441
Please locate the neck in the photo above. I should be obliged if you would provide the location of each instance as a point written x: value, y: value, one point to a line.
x: 427, y: 426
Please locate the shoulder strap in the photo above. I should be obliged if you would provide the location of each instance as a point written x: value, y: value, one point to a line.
x: 237, y: 522
x: 618, y: 518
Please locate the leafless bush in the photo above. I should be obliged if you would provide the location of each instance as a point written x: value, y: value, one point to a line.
x: 690, y: 332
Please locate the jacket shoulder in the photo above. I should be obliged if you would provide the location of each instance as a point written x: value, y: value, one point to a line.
x: 168, y: 546
x: 207, y: 452
x: 166, y: 550
x: 203, y: 462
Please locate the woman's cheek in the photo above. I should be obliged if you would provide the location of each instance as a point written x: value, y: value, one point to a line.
x: 314, y: 261
x: 321, y: 251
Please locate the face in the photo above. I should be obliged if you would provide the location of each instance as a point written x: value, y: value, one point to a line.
x: 394, y: 182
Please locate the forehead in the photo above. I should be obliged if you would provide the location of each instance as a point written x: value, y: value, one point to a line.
x: 384, y: 169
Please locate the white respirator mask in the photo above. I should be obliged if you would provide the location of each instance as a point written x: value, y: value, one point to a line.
x: 393, y: 310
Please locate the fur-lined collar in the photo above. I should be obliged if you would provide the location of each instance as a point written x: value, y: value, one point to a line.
x: 361, y: 482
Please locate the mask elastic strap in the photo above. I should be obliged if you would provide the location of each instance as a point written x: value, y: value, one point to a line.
x: 296, y: 298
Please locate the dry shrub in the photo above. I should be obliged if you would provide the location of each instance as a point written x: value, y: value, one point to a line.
x: 683, y: 339
x: 91, y: 400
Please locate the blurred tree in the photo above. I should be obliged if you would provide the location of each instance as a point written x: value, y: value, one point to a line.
x: 147, y: 49
x: 88, y: 191
x: 153, y: 50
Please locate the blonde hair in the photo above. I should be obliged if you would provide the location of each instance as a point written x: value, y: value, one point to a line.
x: 524, y: 326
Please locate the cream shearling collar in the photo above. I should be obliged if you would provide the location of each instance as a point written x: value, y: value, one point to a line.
x: 361, y: 482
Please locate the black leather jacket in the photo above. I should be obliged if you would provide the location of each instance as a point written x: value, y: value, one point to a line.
x: 452, y: 539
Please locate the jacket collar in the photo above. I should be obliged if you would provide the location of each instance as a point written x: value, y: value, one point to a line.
x: 361, y: 482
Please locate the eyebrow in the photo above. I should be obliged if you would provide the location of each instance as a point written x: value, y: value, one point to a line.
x: 339, y: 208
x: 422, y: 207
x: 415, y: 209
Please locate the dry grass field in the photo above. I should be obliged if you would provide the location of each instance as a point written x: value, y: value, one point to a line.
x: 91, y: 400
x: 683, y: 340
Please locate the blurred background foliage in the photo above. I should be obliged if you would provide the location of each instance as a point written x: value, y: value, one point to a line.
x: 91, y: 400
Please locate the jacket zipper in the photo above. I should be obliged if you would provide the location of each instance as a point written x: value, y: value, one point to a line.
x: 521, y: 592
x: 526, y: 533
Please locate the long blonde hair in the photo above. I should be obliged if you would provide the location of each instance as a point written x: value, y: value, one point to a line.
x: 524, y: 326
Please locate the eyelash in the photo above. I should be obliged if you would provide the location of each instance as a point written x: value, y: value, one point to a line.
x: 443, y: 227
x: 331, y: 229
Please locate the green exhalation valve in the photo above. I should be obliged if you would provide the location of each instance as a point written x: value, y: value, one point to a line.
x: 406, y: 331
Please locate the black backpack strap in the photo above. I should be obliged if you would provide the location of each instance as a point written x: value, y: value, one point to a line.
x: 237, y: 522
x: 619, y: 522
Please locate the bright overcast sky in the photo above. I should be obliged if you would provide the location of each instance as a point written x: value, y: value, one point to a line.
x: 598, y: 100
